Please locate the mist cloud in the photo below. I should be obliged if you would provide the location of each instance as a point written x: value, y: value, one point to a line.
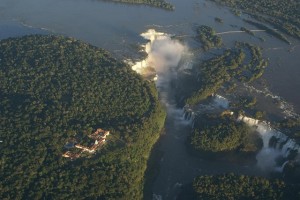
x: 163, y: 53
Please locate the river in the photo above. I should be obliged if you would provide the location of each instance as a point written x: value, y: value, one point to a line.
x: 117, y: 28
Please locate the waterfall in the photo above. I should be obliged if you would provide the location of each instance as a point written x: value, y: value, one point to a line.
x: 220, y: 101
x: 266, y: 158
x: 248, y: 120
x: 281, y: 168
x: 189, y: 115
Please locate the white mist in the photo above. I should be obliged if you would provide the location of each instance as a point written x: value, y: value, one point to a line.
x: 266, y: 158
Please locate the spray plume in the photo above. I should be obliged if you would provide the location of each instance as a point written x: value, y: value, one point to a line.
x: 267, y: 157
x: 163, y: 53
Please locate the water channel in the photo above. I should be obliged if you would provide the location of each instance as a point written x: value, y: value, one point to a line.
x: 117, y: 28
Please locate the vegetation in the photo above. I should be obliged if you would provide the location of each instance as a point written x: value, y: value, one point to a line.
x: 53, y: 88
x: 242, y: 63
x: 259, y: 115
x: 291, y: 126
x: 230, y: 186
x: 247, y: 31
x: 247, y: 102
x: 155, y: 3
x: 208, y: 37
x: 218, y: 133
x: 214, y: 72
x: 219, y: 20
x: 269, y: 30
x: 256, y: 67
x: 282, y: 14
x: 230, y: 66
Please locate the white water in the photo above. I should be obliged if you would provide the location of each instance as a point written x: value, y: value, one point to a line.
x: 119, y: 31
x: 221, y: 101
x: 266, y: 158
x: 281, y: 168
x: 163, y: 53
x: 287, y: 109
x: 165, y: 57
x: 218, y: 101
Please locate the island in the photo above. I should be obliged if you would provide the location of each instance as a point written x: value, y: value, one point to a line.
x: 241, y: 64
x: 208, y: 37
x: 232, y: 186
x: 215, y: 133
x: 55, y: 90
x: 155, y: 3
x: 282, y: 15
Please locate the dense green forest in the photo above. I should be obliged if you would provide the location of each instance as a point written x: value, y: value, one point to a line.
x: 213, y: 73
x: 232, y: 65
x: 53, y: 88
x: 291, y: 127
x: 281, y: 14
x: 239, y: 187
x: 155, y: 3
x: 269, y: 30
x: 208, y: 37
x: 222, y: 133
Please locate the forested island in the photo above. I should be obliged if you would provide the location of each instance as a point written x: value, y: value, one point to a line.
x: 269, y: 30
x: 240, y: 187
x: 75, y: 123
x: 55, y: 88
x: 282, y: 15
x: 215, y: 133
x: 231, y: 66
x: 208, y: 37
x: 291, y: 126
x: 155, y: 3
x: 242, y: 63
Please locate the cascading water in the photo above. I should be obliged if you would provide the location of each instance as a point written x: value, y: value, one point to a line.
x: 163, y: 55
x: 287, y: 109
x: 167, y: 58
x: 188, y: 114
x: 267, y: 157
x: 218, y: 101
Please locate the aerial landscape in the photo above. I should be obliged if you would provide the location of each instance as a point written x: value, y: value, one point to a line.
x: 150, y: 99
